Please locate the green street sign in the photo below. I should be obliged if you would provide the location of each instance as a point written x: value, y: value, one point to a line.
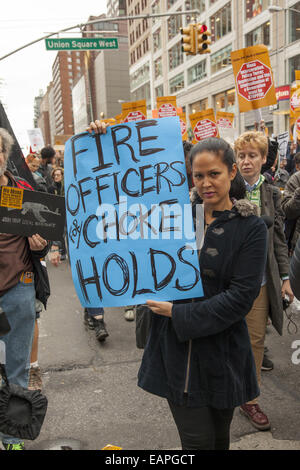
x: 81, y: 44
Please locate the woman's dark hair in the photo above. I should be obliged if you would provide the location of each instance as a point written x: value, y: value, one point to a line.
x: 223, y: 150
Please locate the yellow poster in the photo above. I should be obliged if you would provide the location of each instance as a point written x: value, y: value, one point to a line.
x: 295, y: 103
x: 297, y: 124
x: 183, y: 126
x: 224, y: 120
x: 118, y: 118
x: 203, y: 125
x: 134, y: 111
x: 253, y: 76
x: 166, y: 106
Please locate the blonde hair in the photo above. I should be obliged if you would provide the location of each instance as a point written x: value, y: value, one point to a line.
x: 57, y: 168
x: 256, y: 138
x: 31, y: 157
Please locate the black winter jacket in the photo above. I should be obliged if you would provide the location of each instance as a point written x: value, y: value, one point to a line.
x: 204, y: 349
x: 294, y: 273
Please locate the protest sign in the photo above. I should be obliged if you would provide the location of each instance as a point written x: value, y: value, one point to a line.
x: 283, y: 141
x: 24, y: 212
x: 183, y: 126
x: 130, y: 228
x: 16, y: 161
x: 204, y: 125
x: 166, y: 106
x: 253, y: 78
x: 295, y: 106
x: 36, y: 139
x: 224, y: 120
x: 134, y: 111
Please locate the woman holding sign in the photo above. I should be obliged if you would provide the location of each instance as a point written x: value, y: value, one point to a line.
x: 198, y: 355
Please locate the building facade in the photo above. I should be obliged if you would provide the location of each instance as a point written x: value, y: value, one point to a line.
x: 67, y: 67
x: 159, y: 67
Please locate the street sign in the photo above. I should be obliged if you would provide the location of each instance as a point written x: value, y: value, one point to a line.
x: 81, y: 44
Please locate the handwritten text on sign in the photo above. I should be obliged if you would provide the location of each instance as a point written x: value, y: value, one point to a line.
x: 130, y: 228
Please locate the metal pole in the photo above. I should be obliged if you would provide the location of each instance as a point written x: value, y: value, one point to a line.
x: 118, y: 18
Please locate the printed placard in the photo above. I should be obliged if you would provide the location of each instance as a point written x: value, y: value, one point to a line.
x: 24, y: 212
x: 129, y: 219
x: 134, y: 111
x: 204, y: 125
x: 166, y: 106
x: 11, y: 197
x: 183, y: 126
x: 224, y: 120
x: 253, y: 78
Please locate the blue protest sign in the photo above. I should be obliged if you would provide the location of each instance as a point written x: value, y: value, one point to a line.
x: 130, y: 228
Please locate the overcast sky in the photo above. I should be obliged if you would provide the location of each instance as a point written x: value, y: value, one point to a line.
x: 24, y: 73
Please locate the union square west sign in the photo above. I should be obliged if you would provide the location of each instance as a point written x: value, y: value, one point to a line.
x: 81, y: 44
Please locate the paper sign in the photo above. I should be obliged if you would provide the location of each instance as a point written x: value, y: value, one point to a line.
x: 283, y: 141
x: 127, y: 203
x: 166, y: 106
x: 224, y: 120
x: 183, y: 126
x: 24, y: 212
x: 36, y: 139
x: 253, y: 78
x: 204, y: 125
x: 295, y: 106
x: 134, y: 111
x: 11, y: 197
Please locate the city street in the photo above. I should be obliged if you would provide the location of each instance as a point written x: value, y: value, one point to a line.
x: 94, y: 399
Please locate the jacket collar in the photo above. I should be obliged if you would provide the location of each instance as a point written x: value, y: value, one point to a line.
x: 243, y: 207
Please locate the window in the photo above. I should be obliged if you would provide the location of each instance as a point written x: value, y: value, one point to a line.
x: 170, y: 3
x: 260, y: 35
x: 155, y: 10
x: 174, y: 25
x: 294, y: 64
x: 157, y: 68
x: 140, y: 76
x: 157, y: 40
x: 225, y: 101
x: 194, y: 5
x: 294, y: 23
x: 220, y: 23
x: 159, y: 91
x: 175, y: 56
x: 197, y: 72
x: 198, y: 106
x: 220, y: 59
x: 176, y: 84
x: 255, y: 7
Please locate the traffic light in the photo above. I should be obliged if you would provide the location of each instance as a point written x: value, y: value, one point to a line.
x: 202, y: 39
x: 188, y: 39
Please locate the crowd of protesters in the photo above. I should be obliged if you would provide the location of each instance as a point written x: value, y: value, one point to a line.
x: 204, y: 356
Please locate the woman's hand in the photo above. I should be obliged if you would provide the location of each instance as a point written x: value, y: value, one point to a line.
x: 37, y: 243
x: 99, y: 127
x: 161, y: 308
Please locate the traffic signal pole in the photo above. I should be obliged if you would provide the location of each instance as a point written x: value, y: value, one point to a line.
x: 103, y: 20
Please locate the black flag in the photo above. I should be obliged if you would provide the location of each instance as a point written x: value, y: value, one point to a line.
x: 16, y: 163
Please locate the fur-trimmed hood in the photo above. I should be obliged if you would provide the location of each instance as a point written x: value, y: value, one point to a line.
x: 244, y: 207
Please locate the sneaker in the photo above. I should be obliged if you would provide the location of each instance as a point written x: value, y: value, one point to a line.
x: 129, y: 315
x: 88, y: 320
x: 19, y: 446
x: 100, y: 330
x: 257, y: 418
x: 267, y: 364
x: 35, y: 379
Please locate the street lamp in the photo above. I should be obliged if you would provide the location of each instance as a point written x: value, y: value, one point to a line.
x: 274, y: 9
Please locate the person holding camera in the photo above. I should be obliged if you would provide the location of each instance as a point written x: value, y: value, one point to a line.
x: 251, y: 150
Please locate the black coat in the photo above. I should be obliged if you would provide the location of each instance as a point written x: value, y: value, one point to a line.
x: 295, y: 271
x: 205, y: 346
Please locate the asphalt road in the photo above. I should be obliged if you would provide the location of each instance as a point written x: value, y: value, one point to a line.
x: 92, y: 387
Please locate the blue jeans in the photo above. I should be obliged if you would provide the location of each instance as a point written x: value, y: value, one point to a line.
x: 19, y: 305
x: 93, y: 312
